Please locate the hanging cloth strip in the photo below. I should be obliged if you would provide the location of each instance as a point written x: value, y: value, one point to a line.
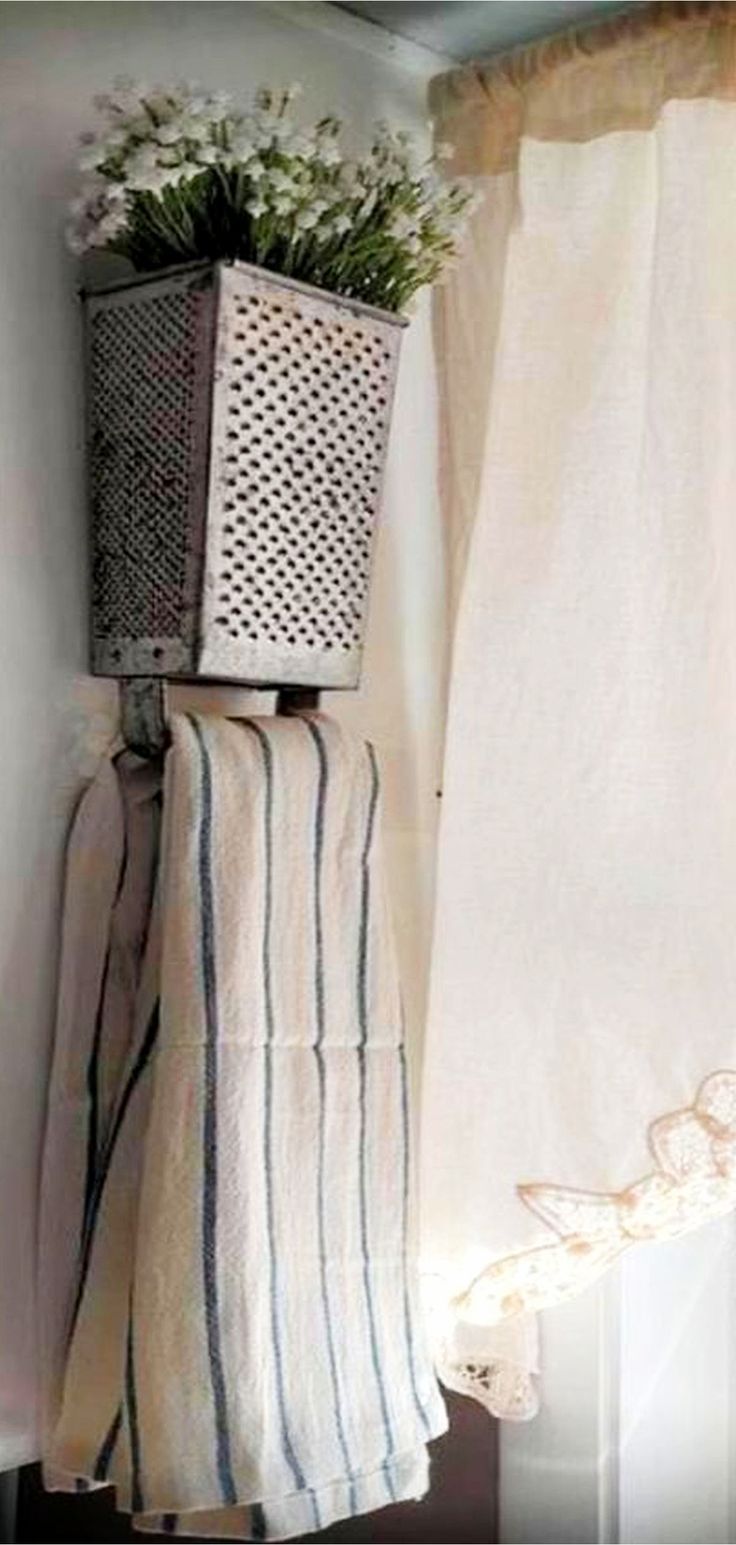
x: 228, y: 1309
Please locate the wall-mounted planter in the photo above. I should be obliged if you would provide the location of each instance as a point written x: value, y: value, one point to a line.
x: 238, y: 425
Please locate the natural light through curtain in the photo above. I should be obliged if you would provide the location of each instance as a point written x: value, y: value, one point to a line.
x: 580, y: 1081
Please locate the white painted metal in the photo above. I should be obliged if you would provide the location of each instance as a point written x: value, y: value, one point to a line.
x: 678, y: 1389
x: 469, y: 29
x: 636, y: 1440
x: 363, y: 33
x: 559, y: 1480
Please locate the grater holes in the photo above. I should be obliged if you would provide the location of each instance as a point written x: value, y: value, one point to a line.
x: 143, y: 429
x: 307, y: 408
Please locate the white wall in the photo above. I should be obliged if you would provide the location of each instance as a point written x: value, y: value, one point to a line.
x: 636, y: 1440
x: 678, y: 1381
x: 53, y: 57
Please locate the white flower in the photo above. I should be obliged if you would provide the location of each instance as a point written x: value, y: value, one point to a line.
x: 99, y: 234
x: 403, y: 226
x: 158, y: 137
x: 144, y: 159
x: 241, y: 147
x: 219, y: 105
x: 194, y: 128
x: 94, y: 188
x: 138, y: 125
x: 144, y: 172
x: 127, y: 95
x: 281, y: 182
x: 367, y: 206
x: 158, y: 102
x: 169, y: 133
x: 75, y: 241
x: 303, y: 145
x: 329, y: 152
x: 110, y: 225
x: 349, y: 177
x: 91, y: 157
x: 282, y: 132
x: 185, y: 172
x: 154, y: 180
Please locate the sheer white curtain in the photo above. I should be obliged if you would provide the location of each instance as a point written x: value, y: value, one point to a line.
x: 580, y: 1083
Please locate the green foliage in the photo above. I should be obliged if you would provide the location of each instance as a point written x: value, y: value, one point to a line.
x: 178, y: 175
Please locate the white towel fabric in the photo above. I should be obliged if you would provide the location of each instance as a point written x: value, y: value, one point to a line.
x: 227, y: 1299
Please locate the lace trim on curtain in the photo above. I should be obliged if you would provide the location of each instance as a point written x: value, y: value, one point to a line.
x: 507, y: 1392
x: 693, y: 1181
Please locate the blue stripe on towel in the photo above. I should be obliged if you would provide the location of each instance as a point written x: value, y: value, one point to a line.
x: 93, y: 1065
x: 274, y: 1290
x: 131, y: 1405
x: 319, y: 837
x: 365, y: 900
x: 209, y: 1135
x: 408, y: 1325
x: 107, y: 1447
x: 88, y: 1235
x: 319, y: 995
x: 92, y: 1081
x: 365, y: 896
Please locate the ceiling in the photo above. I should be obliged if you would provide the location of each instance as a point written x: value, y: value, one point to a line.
x: 469, y: 29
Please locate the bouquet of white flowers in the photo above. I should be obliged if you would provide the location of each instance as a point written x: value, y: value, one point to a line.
x: 178, y: 174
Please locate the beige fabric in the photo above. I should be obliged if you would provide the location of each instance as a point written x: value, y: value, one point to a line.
x: 580, y: 1072
x: 467, y: 314
x: 611, y: 76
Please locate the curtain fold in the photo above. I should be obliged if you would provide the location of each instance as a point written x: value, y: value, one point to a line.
x: 580, y: 1071
x: 578, y: 85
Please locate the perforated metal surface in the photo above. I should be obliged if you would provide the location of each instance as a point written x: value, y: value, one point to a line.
x: 302, y: 410
x: 234, y: 505
x: 148, y: 420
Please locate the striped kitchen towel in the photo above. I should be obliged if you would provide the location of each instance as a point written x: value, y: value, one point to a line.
x: 234, y: 1345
